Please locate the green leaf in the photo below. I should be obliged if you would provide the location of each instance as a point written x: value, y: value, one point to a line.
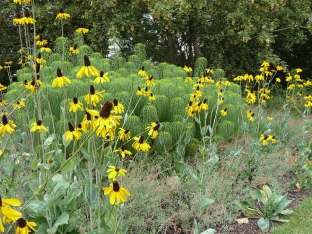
x: 180, y: 150
x: 264, y: 224
x: 90, y: 189
x: 60, y: 188
x: 63, y: 219
x: 204, y: 130
x: 68, y: 167
x: 35, y: 205
x: 206, y: 202
x: 48, y: 141
x: 287, y: 212
x: 267, y: 190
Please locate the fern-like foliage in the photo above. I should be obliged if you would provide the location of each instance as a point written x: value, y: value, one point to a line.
x: 226, y: 128
x: 149, y: 114
x: 200, y: 66
x: 163, y: 141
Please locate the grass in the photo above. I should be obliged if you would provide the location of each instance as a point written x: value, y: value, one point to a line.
x: 299, y: 221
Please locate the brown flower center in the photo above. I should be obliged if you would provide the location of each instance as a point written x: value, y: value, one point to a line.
x: 116, y: 186
x: 21, y: 222
x: 4, y: 120
x: 106, y: 109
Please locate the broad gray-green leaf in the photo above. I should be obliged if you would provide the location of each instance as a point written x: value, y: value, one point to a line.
x: 63, y: 219
x: 264, y: 224
x: 287, y: 212
x: 48, y: 141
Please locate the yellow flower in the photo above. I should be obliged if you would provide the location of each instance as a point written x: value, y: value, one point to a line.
x: 123, y: 151
x: 46, y: 49
x: 93, y: 97
x: 25, y: 227
x: 219, y: 84
x: 142, y: 72
x: 263, y: 139
x: 87, y: 69
x: 140, y: 145
x: 2, y: 87
x: 82, y: 29
x: 62, y: 15
x: 102, y: 78
x: 116, y: 193
x: 187, y: 69
x: 139, y: 91
x: 250, y: 115
x: 73, y: 50
x: 298, y: 70
x: 22, y: 1
x: 209, y: 70
x: 149, y: 81
x: 267, y: 138
x: 289, y: 77
x: 220, y: 93
x: 279, y: 67
x: 123, y: 134
x: 278, y: 80
x: 88, y: 122
x: 72, y: 133
x: 27, y: 19
x: 75, y: 105
x: 106, y: 121
x: 188, y: 79
x: 203, y: 105
x: 38, y: 126
x: 153, y: 129
x: 1, y: 152
x: 3, y: 102
x: 251, y: 97
x: 227, y: 83
x: 60, y: 80
x: 224, y: 112
x: 118, y: 108
x: 152, y: 97
x: 220, y: 101
x: 291, y: 87
x: 8, y: 212
x: 115, y: 171
x: 6, y: 126
x: 146, y: 92
x: 8, y: 63
x: 270, y: 118
x: 17, y: 19
x: 259, y: 78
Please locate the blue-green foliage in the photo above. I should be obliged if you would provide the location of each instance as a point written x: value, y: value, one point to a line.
x: 171, y: 91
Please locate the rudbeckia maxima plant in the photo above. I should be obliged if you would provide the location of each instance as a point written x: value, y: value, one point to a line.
x: 116, y: 193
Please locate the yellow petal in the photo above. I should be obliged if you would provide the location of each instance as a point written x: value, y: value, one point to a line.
x: 11, y: 213
x: 12, y: 201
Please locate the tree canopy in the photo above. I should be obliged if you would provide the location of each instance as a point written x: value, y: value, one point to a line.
x: 232, y: 34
